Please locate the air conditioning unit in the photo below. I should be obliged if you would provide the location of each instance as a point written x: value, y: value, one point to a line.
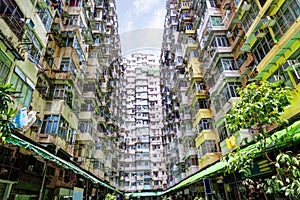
x: 42, y: 3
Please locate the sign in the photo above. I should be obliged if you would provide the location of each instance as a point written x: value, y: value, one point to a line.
x: 207, y: 187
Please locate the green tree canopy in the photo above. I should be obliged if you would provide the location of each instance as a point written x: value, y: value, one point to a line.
x: 258, y: 105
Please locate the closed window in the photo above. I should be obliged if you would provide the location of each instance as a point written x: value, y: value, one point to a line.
x: 222, y: 131
x: 21, y: 83
x: 4, y: 68
x: 204, y: 124
x: 220, y: 41
x: 46, y: 18
x: 209, y: 146
x: 286, y: 16
x: 50, y: 124
x: 67, y: 65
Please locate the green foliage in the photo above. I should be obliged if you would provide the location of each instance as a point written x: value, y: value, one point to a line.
x: 240, y: 161
x: 287, y: 179
x: 198, y: 198
x: 6, y: 112
x: 258, y: 106
x: 109, y: 196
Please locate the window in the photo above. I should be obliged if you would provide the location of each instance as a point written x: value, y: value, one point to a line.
x: 23, y: 85
x: 222, y: 131
x: 99, y: 3
x: 89, y: 87
x: 35, y: 51
x: 63, y: 129
x: 4, y: 67
x: 76, y: 3
x: 216, y: 20
x: 249, y: 16
x: 85, y: 126
x: 229, y: 91
x: 216, y: 104
x: 286, y: 16
x: 199, y: 86
x: 46, y: 17
x: 202, y: 104
x: 263, y: 47
x: 209, y: 146
x: 204, y: 124
x: 220, y: 41
x: 89, y: 105
x: 296, y: 73
x: 50, y: 124
x: 12, y: 14
x: 241, y: 59
x: 67, y: 65
x: 58, y: 91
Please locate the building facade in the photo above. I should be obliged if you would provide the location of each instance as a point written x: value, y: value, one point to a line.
x: 63, y: 59
x: 216, y: 47
x: 141, y: 160
x: 136, y: 124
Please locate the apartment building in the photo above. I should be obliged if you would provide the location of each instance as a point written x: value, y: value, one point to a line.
x: 184, y: 92
x: 63, y: 58
x: 141, y: 161
x: 218, y: 46
x: 136, y: 124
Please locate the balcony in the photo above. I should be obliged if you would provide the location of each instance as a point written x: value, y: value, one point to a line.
x: 185, y: 5
x: 202, y: 113
x: 99, y: 155
x: 13, y: 17
x: 56, y: 140
x: 204, y: 135
x: 208, y: 159
x: 192, y: 151
x: 85, y: 138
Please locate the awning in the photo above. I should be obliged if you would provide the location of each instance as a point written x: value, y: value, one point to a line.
x: 292, y: 134
x: 13, y: 139
x: 144, y: 194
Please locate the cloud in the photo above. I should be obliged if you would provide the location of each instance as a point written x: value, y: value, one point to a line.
x: 129, y: 24
x: 145, y: 6
x: 158, y: 18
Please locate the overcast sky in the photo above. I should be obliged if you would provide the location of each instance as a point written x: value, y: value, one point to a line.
x: 141, y: 14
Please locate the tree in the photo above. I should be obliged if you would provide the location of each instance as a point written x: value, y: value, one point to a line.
x: 259, y: 106
x: 6, y: 111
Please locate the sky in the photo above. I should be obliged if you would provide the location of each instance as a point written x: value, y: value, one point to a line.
x: 142, y: 15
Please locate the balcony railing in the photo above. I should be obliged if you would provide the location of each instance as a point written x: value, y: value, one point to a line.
x: 13, y: 16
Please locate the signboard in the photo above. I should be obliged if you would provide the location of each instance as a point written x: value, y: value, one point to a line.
x: 207, y: 187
